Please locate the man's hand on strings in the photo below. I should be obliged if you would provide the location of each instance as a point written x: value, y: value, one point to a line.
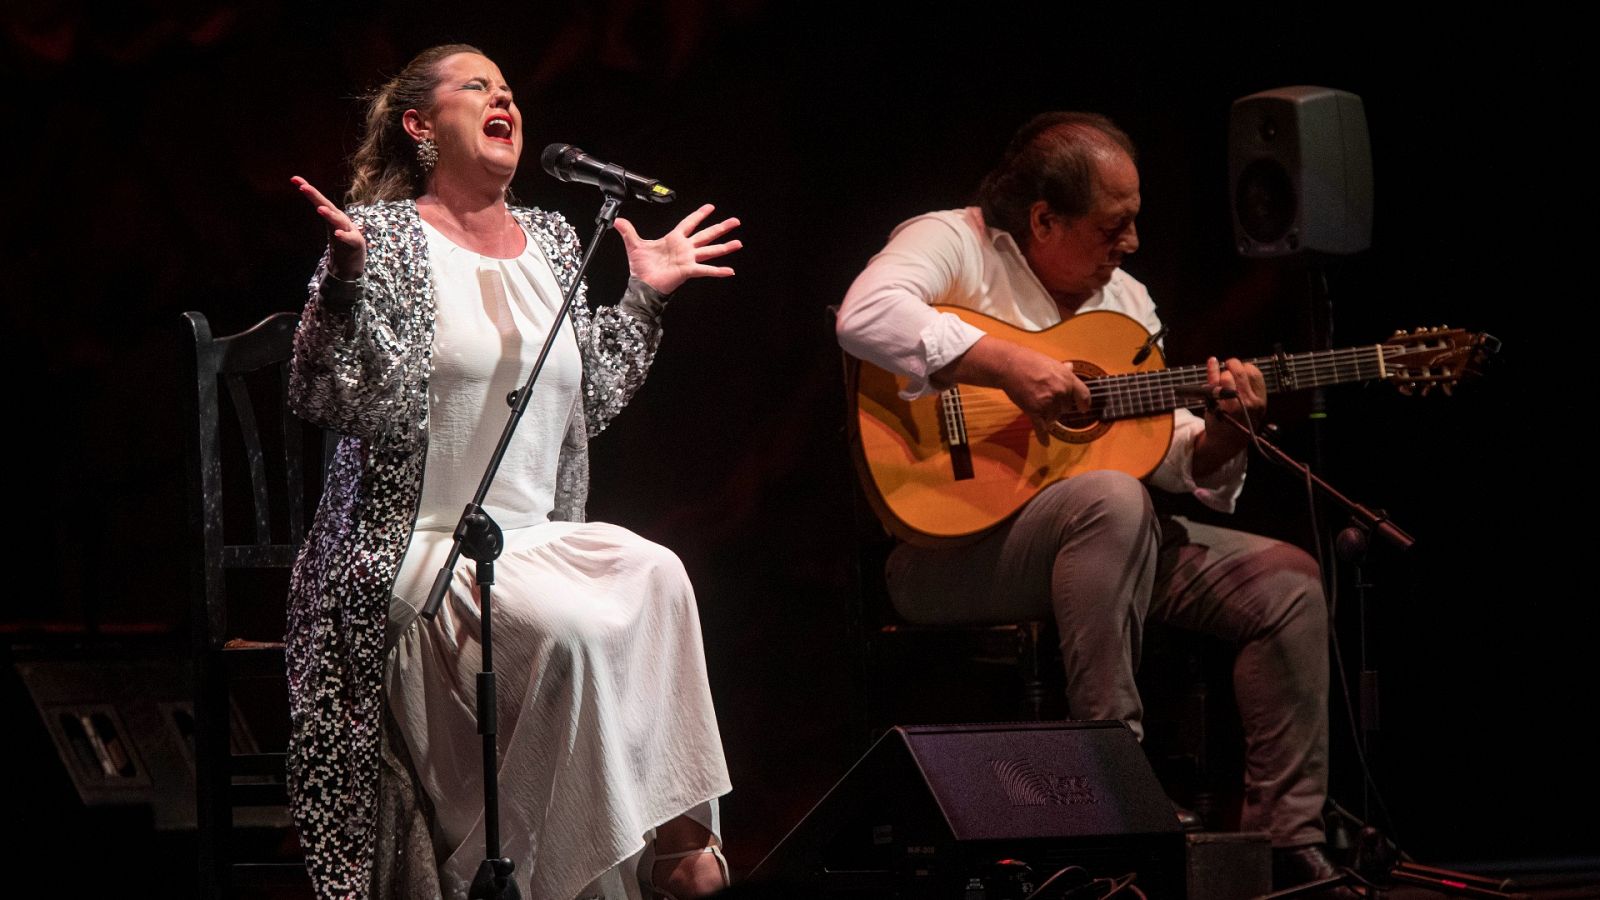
x: 1249, y: 404
x: 1045, y: 389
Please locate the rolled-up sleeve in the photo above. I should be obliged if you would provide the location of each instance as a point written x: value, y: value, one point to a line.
x: 1220, y: 489
x: 887, y: 317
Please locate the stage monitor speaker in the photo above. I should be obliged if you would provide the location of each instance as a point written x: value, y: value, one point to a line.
x: 124, y: 730
x: 946, y: 811
x: 1300, y: 172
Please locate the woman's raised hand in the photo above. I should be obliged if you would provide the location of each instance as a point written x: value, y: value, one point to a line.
x: 680, y: 254
x: 347, y: 247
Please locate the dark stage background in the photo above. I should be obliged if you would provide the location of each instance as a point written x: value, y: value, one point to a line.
x: 152, y: 176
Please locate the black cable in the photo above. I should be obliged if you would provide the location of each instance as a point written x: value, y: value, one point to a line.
x: 1078, y: 873
x: 1330, y: 576
x: 1118, y: 885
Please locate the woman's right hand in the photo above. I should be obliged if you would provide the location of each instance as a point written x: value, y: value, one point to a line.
x: 347, y: 247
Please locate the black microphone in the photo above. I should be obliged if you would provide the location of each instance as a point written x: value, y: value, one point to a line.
x: 1149, y: 344
x: 568, y: 163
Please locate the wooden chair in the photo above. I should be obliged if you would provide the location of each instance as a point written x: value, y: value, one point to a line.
x: 256, y: 530
x: 1023, y: 649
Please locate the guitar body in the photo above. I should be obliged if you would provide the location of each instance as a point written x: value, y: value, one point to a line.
x: 946, y: 468
x: 932, y: 488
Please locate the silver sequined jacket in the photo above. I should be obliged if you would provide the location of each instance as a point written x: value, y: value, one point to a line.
x: 361, y: 367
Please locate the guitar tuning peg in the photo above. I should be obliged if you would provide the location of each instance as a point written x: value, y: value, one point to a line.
x: 1427, y: 389
x: 1445, y: 386
x: 1407, y: 388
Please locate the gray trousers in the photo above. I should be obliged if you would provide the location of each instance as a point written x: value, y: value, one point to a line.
x: 1092, y: 552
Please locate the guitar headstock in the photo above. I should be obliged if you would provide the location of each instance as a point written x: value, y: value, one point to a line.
x: 1425, y: 358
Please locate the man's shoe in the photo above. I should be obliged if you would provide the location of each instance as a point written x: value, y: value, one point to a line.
x: 1188, y: 819
x: 1293, y: 866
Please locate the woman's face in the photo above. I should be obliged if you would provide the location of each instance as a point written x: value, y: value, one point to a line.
x: 474, y: 123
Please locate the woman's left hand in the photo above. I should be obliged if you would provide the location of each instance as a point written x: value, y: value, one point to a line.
x: 680, y: 254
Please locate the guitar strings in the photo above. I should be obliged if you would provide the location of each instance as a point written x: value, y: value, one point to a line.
x: 1136, y: 394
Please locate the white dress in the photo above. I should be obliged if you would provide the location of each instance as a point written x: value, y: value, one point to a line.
x: 606, y: 727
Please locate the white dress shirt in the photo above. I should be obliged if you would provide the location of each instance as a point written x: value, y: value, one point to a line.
x: 951, y: 258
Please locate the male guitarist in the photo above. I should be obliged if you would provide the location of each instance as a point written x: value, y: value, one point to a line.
x: 1053, y: 222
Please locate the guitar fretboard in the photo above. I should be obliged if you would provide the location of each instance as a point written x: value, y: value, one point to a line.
x: 1137, y: 394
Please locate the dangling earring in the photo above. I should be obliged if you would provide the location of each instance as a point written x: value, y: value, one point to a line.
x: 427, y: 155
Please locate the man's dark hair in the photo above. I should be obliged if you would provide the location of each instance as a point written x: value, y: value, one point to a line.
x: 1051, y: 158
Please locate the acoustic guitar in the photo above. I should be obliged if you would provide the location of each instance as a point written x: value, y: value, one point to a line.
x: 946, y: 468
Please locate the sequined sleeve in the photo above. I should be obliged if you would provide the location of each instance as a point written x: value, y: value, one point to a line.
x: 622, y: 344
x: 351, y: 371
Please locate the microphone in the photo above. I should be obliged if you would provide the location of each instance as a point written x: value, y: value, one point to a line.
x: 1149, y: 344
x: 567, y: 163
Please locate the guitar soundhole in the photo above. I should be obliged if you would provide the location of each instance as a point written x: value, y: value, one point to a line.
x: 1082, y: 427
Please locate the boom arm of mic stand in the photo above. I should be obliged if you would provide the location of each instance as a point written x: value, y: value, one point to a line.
x: 1377, y: 523
x: 441, y: 581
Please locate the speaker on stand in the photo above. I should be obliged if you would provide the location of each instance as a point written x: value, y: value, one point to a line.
x: 1300, y: 185
x: 1300, y: 173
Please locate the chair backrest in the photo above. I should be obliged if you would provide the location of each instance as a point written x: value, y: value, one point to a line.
x: 872, y: 541
x: 246, y: 374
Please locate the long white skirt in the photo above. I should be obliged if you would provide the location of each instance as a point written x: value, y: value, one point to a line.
x: 606, y: 728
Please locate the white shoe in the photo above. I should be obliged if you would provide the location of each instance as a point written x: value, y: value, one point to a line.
x: 647, y: 867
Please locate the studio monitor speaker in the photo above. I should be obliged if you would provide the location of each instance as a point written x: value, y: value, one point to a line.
x: 1300, y: 172
x: 936, y: 811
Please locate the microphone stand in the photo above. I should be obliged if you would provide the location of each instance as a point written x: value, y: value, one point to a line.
x: 480, y: 540
x: 1369, y: 521
x: 1379, y: 862
x: 1379, y: 865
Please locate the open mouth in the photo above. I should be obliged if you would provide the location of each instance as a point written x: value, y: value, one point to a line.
x: 498, y: 128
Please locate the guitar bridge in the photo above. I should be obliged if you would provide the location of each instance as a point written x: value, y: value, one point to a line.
x: 953, y: 422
